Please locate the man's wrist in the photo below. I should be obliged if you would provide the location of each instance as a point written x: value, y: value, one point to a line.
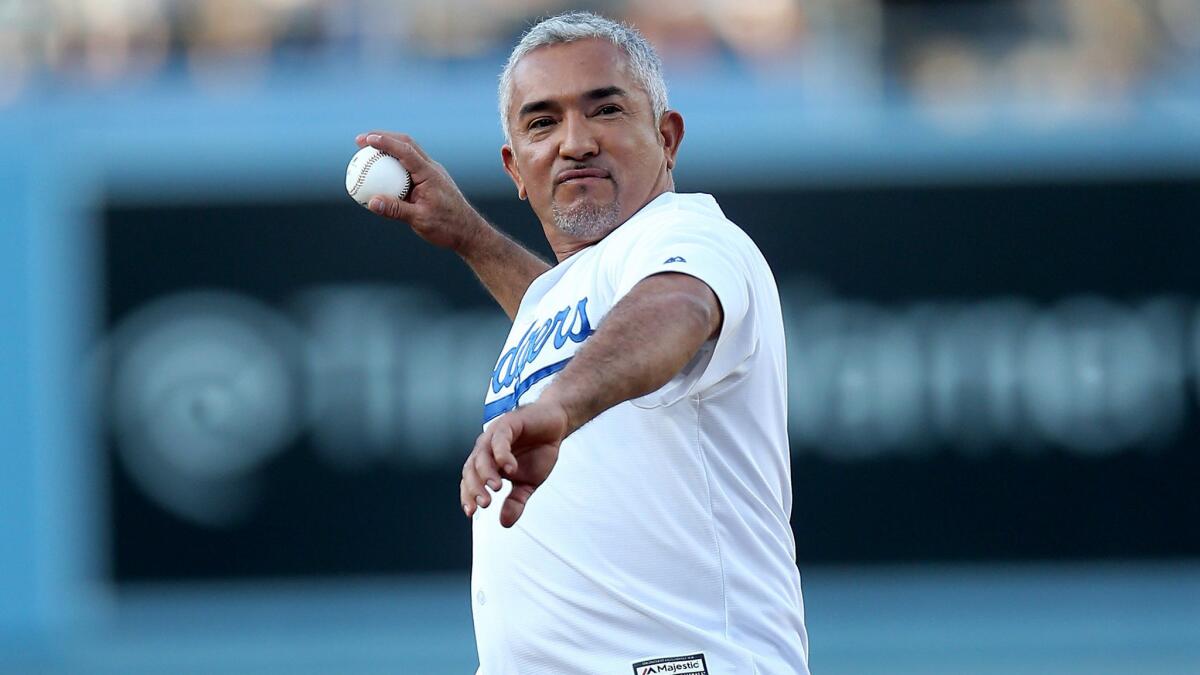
x: 572, y: 413
x: 475, y: 231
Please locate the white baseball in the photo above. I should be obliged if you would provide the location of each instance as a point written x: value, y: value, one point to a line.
x: 373, y: 172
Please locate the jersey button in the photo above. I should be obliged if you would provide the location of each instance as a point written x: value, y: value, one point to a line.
x: 480, y: 598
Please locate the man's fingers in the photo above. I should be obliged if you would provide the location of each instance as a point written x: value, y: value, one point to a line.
x: 473, y: 493
x: 485, y: 466
x: 514, y: 506
x: 406, y: 151
x: 465, y: 498
x: 501, y: 449
x: 468, y: 503
x: 391, y: 207
x: 361, y: 140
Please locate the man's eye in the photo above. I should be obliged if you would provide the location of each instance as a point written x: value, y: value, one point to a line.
x: 541, y: 123
x: 608, y: 110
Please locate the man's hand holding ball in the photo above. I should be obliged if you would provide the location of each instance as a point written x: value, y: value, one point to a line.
x: 374, y: 172
x: 392, y: 176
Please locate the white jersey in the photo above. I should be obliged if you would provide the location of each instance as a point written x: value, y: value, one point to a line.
x: 660, y: 541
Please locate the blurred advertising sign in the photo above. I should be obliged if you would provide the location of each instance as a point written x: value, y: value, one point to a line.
x: 291, y: 390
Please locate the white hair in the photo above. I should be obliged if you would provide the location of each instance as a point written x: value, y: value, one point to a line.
x: 644, y: 64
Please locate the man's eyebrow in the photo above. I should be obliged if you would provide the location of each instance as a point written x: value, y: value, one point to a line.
x: 592, y: 95
x: 536, y: 106
x: 604, y: 92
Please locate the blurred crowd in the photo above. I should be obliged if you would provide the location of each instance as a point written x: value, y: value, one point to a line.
x: 1060, y: 52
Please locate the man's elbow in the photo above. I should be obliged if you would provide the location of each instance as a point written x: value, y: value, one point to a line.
x: 700, y: 307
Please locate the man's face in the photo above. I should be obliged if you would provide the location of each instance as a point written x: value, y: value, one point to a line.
x: 585, y: 146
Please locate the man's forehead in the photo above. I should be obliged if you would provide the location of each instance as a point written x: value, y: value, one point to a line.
x: 569, y: 70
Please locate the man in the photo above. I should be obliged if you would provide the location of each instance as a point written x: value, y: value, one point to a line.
x: 631, y: 490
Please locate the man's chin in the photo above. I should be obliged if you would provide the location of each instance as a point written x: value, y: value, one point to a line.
x: 583, y: 217
x: 584, y: 201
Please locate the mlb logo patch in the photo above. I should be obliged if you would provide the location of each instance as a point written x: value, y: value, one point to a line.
x: 672, y: 665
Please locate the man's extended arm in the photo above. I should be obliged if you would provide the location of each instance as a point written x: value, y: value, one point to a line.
x: 437, y: 211
x: 648, y: 337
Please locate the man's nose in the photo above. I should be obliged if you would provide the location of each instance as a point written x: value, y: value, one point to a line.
x: 578, y: 141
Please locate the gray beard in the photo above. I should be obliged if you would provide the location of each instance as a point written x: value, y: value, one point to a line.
x: 587, y: 220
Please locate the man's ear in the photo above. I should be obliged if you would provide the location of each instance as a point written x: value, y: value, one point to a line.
x: 670, y: 130
x: 510, y: 168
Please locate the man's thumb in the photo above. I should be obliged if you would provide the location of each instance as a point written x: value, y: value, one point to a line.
x: 390, y: 207
x: 514, y: 505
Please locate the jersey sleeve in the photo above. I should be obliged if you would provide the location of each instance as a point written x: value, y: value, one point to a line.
x: 714, y: 252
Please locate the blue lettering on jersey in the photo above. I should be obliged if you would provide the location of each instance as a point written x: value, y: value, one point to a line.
x: 569, y: 324
x: 674, y: 259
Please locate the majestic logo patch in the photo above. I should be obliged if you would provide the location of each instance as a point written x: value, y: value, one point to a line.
x: 672, y: 665
x: 674, y: 258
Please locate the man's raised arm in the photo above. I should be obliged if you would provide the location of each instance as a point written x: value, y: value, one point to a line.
x: 648, y: 337
x: 437, y: 211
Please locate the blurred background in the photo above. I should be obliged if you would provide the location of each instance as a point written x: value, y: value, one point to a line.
x: 234, y: 405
